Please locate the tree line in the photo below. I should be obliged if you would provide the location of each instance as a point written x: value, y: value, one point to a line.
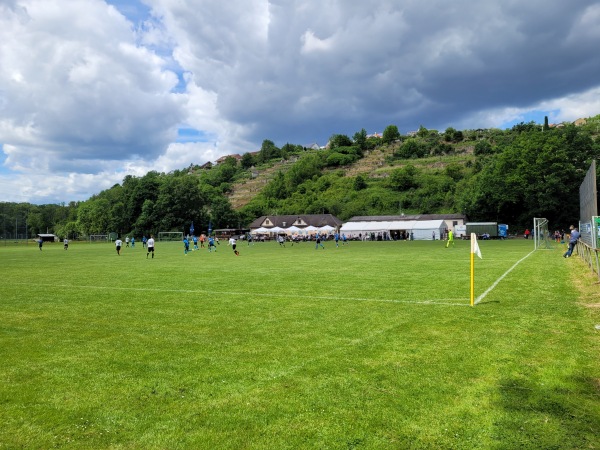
x: 508, y: 176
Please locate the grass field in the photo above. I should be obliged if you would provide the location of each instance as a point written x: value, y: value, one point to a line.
x: 367, y: 346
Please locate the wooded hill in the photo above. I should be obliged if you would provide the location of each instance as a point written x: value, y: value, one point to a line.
x: 509, y: 176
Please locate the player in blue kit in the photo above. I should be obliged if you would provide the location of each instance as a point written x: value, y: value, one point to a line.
x: 211, y: 244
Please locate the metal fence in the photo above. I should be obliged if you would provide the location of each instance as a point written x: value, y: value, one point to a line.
x: 590, y: 255
x: 14, y: 231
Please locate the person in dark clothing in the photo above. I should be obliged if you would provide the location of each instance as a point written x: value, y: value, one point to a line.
x: 572, y: 241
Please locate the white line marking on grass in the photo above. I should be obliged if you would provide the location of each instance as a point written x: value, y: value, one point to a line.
x: 482, y: 296
x: 442, y: 302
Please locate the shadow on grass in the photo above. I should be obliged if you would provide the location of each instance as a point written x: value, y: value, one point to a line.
x: 488, y: 302
x: 549, y: 417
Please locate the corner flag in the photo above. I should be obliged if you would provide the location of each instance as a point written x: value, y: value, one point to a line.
x: 474, y: 250
x: 475, y: 245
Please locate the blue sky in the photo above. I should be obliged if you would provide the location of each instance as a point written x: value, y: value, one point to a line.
x: 108, y: 88
x: 536, y: 116
x: 135, y: 11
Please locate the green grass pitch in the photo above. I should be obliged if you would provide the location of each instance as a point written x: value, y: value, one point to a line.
x: 366, y: 346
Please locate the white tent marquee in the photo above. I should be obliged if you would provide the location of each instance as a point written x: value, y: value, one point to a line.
x: 424, y: 229
x: 420, y: 229
x: 326, y: 229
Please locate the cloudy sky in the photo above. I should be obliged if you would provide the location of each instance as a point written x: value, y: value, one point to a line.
x: 93, y: 90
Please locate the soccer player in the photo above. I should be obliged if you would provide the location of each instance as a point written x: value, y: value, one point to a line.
x: 150, y: 244
x: 127, y: 241
x: 450, y: 238
x: 211, y: 244
x: 132, y: 242
x: 318, y: 238
x: 233, y: 244
x: 186, y: 246
x: 118, y: 245
x: 40, y: 243
x: 144, y: 240
x: 281, y: 241
x: 336, y: 236
x: 344, y: 239
x: 66, y: 244
x: 195, y: 240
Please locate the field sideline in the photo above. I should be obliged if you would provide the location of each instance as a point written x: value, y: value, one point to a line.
x: 370, y: 345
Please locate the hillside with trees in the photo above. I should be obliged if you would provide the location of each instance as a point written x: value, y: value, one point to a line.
x: 507, y: 176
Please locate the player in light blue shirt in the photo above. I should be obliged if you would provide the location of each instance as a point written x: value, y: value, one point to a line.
x: 211, y: 244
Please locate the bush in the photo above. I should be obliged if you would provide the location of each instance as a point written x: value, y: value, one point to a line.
x: 339, y: 159
x: 412, y: 149
x: 483, y: 147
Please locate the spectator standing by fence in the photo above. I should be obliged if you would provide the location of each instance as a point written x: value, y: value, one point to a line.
x: 573, y: 237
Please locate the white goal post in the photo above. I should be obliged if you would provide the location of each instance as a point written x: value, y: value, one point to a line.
x: 164, y: 236
x: 98, y: 238
x: 541, y: 234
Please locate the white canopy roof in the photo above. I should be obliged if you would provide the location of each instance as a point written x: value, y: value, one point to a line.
x: 326, y: 228
x: 376, y: 226
x: 406, y: 225
x: 418, y: 229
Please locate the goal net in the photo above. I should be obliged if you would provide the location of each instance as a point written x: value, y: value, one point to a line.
x: 98, y: 238
x: 541, y: 234
x: 164, y: 236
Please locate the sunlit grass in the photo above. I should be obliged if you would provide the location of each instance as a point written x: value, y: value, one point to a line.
x: 371, y: 345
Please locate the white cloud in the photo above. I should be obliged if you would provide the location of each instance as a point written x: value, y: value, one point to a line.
x: 92, y: 92
x: 574, y: 106
x: 311, y: 43
x: 564, y: 109
x: 77, y: 87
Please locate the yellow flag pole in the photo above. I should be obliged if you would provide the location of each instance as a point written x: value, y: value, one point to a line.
x: 472, y: 279
x: 473, y: 269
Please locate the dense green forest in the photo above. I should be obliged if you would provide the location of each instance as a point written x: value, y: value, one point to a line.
x: 508, y: 176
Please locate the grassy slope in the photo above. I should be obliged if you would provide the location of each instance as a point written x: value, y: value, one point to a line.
x: 376, y: 164
x: 367, y: 346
